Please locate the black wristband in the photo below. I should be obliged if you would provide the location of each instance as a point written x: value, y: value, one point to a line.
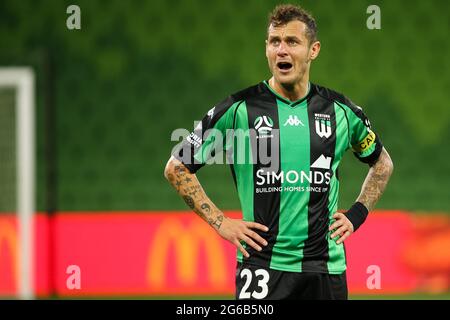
x: 357, y: 214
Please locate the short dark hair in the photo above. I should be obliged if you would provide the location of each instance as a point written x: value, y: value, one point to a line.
x: 284, y: 13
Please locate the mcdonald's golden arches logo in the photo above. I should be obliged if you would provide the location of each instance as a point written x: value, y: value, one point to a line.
x: 186, y: 242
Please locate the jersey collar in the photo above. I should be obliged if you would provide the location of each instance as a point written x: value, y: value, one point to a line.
x: 287, y: 101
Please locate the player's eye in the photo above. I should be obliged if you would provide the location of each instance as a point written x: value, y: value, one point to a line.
x: 275, y: 42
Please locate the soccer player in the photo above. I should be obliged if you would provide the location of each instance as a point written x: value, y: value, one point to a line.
x: 290, y: 240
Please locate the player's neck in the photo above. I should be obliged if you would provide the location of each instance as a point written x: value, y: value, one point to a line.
x: 293, y: 92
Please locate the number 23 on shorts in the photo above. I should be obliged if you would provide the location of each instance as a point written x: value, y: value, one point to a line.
x: 261, y: 289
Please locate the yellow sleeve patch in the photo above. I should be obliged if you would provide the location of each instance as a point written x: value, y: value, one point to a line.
x: 365, y: 143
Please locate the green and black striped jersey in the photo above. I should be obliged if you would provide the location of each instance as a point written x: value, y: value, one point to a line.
x: 284, y: 157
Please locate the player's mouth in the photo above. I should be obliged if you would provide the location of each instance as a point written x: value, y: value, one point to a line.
x: 284, y: 67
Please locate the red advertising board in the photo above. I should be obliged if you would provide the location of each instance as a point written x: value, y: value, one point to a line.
x: 126, y: 253
x: 378, y: 245
x: 176, y: 253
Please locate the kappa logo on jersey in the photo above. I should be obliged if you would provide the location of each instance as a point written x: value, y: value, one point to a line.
x: 211, y: 112
x: 264, y: 125
x: 293, y: 121
x: 323, y: 125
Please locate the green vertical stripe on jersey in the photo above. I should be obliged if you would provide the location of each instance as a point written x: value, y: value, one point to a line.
x: 336, y: 263
x: 243, y: 165
x: 294, y: 153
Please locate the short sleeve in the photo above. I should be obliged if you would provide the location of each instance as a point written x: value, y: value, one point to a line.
x: 365, y: 143
x: 208, y: 137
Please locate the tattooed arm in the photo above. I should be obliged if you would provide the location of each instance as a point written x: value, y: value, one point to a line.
x: 376, y: 180
x: 189, y: 188
x: 371, y: 191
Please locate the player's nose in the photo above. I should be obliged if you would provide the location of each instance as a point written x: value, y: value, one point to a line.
x: 281, y: 50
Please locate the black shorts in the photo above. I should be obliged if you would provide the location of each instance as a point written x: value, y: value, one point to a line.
x: 253, y: 282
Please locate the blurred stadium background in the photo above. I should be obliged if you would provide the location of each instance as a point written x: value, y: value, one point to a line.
x: 108, y: 96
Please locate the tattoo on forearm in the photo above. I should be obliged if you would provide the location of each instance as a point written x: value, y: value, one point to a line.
x: 206, y: 208
x: 171, y: 177
x: 376, y: 181
x: 207, y: 213
x: 216, y: 223
x: 189, y: 201
x: 180, y: 171
x: 194, y: 191
x: 190, y: 189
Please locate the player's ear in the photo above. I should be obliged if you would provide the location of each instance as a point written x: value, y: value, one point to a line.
x: 314, y: 50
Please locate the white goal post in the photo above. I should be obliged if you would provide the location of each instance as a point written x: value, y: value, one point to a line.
x: 22, y: 80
